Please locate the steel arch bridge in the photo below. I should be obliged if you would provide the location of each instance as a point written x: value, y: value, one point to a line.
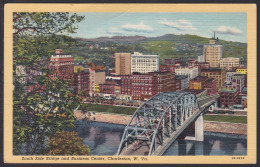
x: 157, y: 119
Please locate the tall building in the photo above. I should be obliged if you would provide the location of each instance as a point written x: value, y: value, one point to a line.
x: 81, y: 81
x: 217, y: 73
x: 63, y: 66
x: 126, y: 84
x: 191, y: 72
x: 211, y: 86
x: 99, y: 78
x: 165, y: 81
x: 228, y: 97
x: 144, y: 63
x: 145, y: 86
x: 229, y: 75
x: 238, y: 81
x: 123, y: 63
x: 212, y: 52
x: 229, y: 62
x: 181, y: 82
x: 91, y: 82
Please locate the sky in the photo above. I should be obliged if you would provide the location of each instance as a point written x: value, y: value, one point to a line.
x: 227, y: 26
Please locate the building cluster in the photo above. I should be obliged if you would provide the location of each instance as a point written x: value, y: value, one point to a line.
x: 138, y: 77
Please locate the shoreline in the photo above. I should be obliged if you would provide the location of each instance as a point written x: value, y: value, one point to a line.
x: 209, y: 126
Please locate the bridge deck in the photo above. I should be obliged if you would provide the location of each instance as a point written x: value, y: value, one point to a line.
x: 161, y: 149
x: 143, y: 148
x: 133, y: 150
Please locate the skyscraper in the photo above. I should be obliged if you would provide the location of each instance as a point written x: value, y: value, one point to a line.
x: 123, y: 63
x: 144, y: 63
x: 63, y: 66
x: 212, y: 52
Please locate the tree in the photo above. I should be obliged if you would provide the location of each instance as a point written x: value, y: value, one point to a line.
x: 44, y: 23
x: 67, y: 143
x: 48, y: 106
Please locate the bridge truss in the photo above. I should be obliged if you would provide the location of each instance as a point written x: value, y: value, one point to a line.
x: 156, y: 119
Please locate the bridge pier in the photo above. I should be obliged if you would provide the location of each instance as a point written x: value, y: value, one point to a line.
x: 198, y: 129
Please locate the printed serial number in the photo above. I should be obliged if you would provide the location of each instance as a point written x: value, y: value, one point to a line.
x: 238, y: 157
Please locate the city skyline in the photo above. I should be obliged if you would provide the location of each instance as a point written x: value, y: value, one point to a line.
x: 227, y: 26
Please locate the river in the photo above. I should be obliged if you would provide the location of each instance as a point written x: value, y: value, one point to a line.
x: 104, y: 138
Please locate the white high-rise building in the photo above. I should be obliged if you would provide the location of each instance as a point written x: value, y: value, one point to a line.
x: 144, y: 63
x: 229, y: 62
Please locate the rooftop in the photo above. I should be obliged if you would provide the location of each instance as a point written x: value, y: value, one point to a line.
x: 210, y: 79
x: 100, y: 71
x: 141, y: 54
x: 230, y: 58
x: 211, y: 70
x: 60, y: 56
x: 180, y: 77
x: 238, y: 75
x: 243, y: 67
x: 159, y: 72
x: 244, y: 90
x: 228, y: 90
x: 200, y: 78
x: 195, y: 91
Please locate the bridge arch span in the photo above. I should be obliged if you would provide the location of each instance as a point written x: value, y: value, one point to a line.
x: 155, y: 121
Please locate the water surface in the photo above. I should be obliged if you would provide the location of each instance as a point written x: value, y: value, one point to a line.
x: 104, y: 139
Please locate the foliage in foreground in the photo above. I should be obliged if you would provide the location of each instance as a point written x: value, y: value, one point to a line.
x: 67, y: 143
x: 47, y: 108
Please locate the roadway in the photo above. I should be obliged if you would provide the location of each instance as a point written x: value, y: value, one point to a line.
x: 143, y: 148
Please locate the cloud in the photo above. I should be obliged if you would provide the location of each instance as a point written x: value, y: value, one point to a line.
x: 228, y: 30
x: 141, y: 27
x: 179, y: 24
x: 114, y: 31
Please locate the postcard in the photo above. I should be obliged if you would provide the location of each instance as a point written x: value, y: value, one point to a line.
x: 130, y: 83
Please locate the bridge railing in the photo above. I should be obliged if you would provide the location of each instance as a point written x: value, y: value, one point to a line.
x: 203, y: 101
x: 161, y: 116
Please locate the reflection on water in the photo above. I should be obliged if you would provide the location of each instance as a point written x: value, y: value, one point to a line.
x: 212, y: 145
x: 104, y: 139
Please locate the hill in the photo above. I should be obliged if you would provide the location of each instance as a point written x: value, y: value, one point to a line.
x: 101, y: 50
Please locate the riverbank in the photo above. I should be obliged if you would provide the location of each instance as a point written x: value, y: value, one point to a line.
x: 210, y: 126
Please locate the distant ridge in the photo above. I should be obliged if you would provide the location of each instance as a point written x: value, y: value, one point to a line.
x: 188, y: 38
x: 115, y: 39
